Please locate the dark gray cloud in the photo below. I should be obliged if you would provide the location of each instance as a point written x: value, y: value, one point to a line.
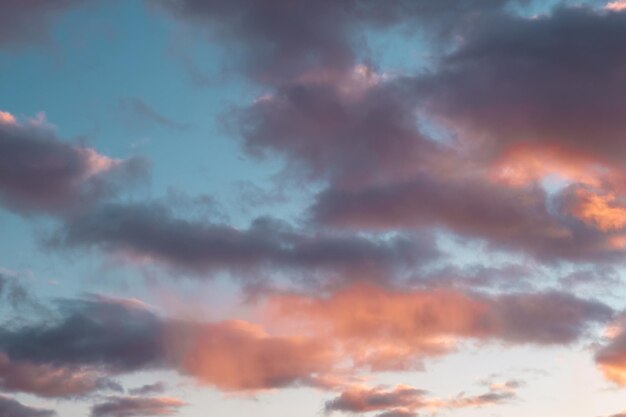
x: 40, y: 173
x: 279, y: 40
x: 555, y: 80
x: 547, y: 318
x: 503, y: 84
x: 137, y: 407
x: 506, y: 277
x: 156, y: 388
x: 89, y: 332
x: 352, y: 128
x: 509, y: 218
x: 154, y: 232
x: 12, y: 408
x: 52, y: 381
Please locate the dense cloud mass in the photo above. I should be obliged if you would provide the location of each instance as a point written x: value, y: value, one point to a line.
x: 339, y: 127
x: 93, y: 339
x: 554, y: 83
x: 90, y: 332
x: 40, y: 173
x: 279, y: 42
x: 521, y: 218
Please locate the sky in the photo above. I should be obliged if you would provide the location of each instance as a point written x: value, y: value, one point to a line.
x: 285, y: 208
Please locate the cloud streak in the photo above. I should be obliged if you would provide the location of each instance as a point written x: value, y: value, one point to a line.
x: 154, y: 233
x: 137, y: 407
x: 13, y: 408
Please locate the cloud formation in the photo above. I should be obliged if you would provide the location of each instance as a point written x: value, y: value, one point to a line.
x: 51, y: 381
x: 137, y: 407
x: 88, y: 341
x: 60, y: 357
x: 370, y: 136
x: 338, y: 127
x: 541, y: 82
x: 40, y: 173
x: 385, y: 329
x: 513, y: 137
x: 13, y: 408
x: 610, y: 356
x: 154, y: 233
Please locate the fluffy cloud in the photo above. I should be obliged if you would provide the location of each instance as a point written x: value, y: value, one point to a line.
x: 363, y: 133
x: 278, y: 42
x: 339, y: 127
x: 40, y: 173
x: 540, y: 82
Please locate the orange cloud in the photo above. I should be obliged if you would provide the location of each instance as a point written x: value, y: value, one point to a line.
x: 7, y: 118
x: 611, y: 358
x: 599, y: 210
x: 616, y: 6
x: 525, y: 164
x: 239, y: 356
x: 384, y: 329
